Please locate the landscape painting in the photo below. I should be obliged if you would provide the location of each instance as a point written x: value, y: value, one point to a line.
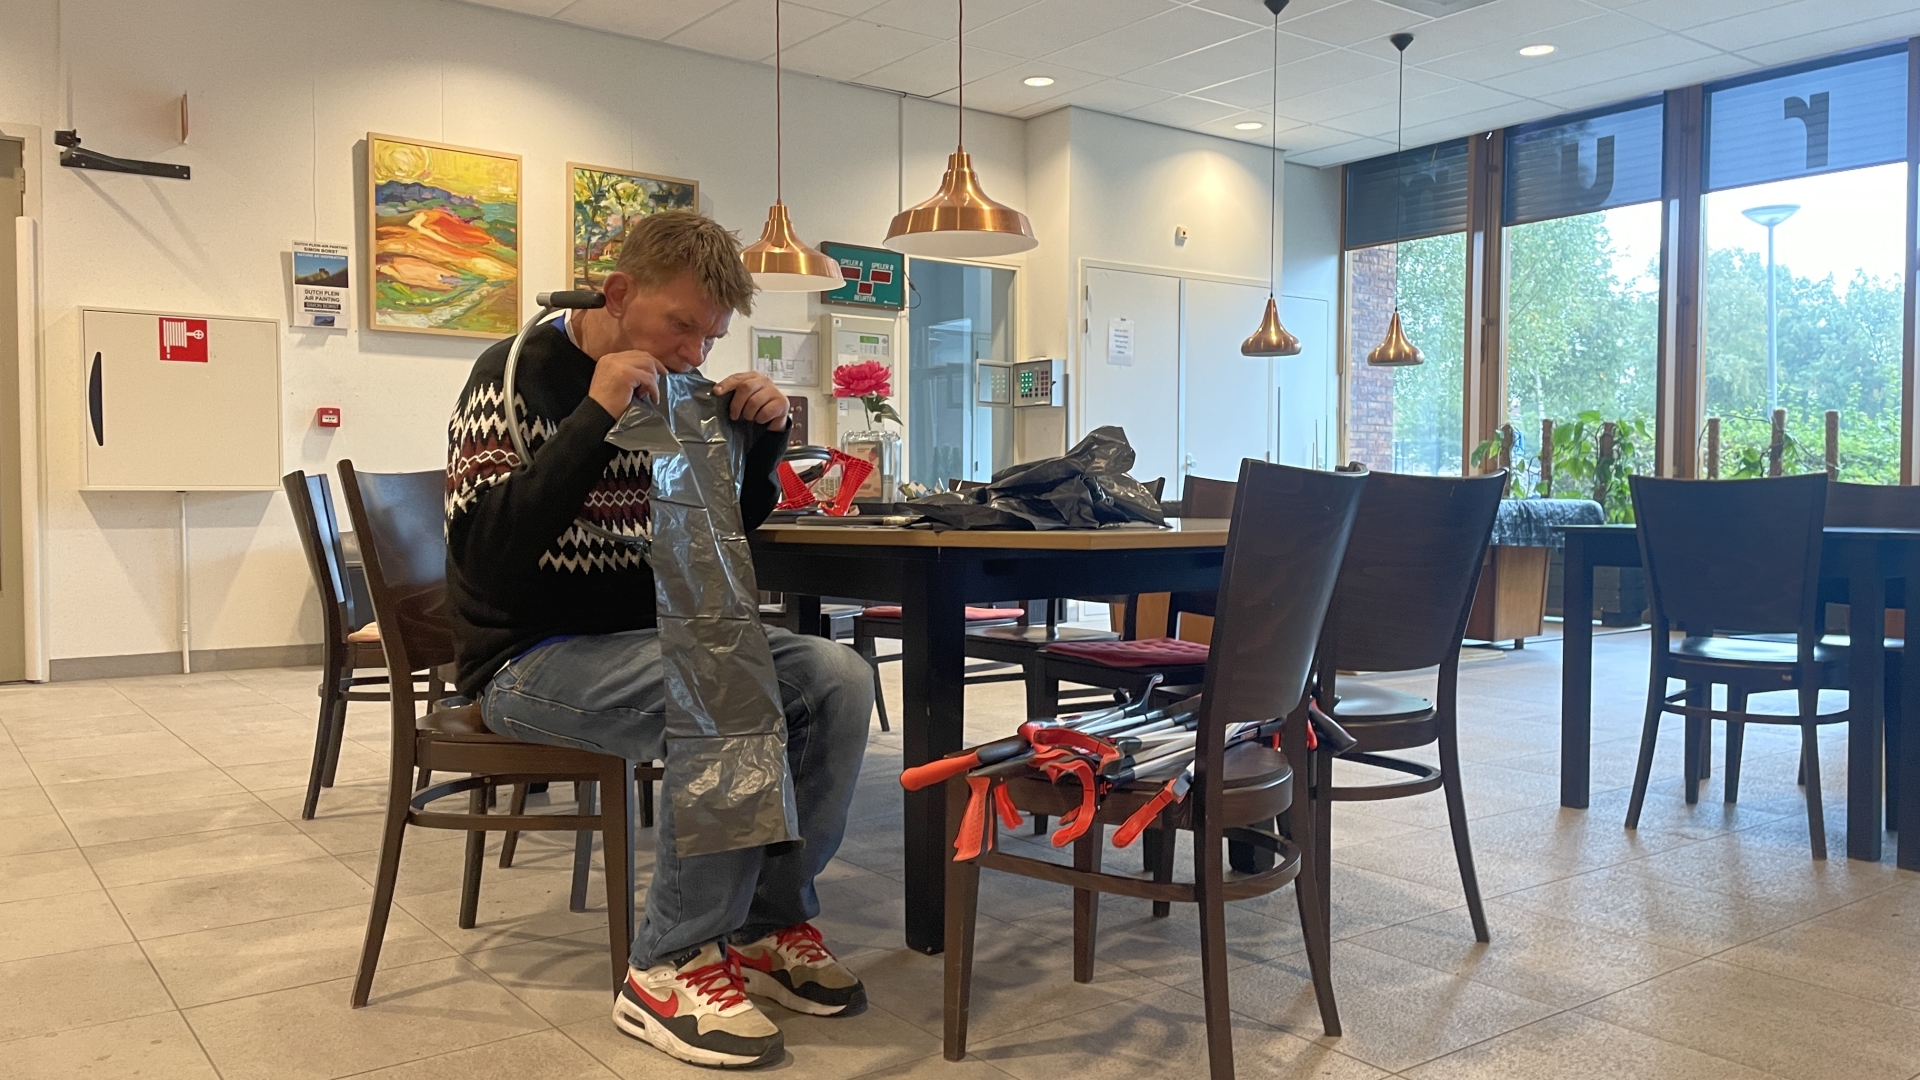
x: 325, y: 271
x: 444, y: 225
x: 605, y: 203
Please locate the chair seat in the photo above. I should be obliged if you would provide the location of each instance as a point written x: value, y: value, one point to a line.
x: 1145, y: 653
x: 1039, y: 636
x: 1368, y: 703
x: 974, y: 614
x: 458, y: 720
x: 368, y: 634
x: 1838, y: 641
x: 1781, y: 649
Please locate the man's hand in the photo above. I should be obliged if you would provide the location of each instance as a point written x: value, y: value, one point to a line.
x: 618, y: 376
x: 755, y: 399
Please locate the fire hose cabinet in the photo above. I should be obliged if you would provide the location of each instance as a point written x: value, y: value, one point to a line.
x: 180, y: 402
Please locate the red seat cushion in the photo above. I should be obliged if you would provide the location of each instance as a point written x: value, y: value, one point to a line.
x: 974, y: 614
x: 1146, y: 653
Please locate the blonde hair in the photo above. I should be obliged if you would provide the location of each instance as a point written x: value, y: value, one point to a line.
x: 660, y: 247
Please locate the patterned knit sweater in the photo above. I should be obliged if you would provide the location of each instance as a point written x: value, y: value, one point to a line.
x: 519, y: 570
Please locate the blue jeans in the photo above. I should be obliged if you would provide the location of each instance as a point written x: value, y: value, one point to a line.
x: 607, y: 693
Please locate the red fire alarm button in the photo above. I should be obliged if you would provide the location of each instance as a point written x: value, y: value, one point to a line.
x: 327, y: 416
x: 184, y: 340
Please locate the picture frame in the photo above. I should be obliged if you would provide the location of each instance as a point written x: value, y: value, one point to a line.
x: 442, y: 238
x: 602, y: 203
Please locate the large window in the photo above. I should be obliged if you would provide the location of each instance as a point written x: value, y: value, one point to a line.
x: 960, y: 314
x: 1804, y: 227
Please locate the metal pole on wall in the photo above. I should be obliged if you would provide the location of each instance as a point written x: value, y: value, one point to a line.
x: 1769, y: 217
x: 1777, y: 445
x: 186, y: 595
x: 1713, y: 448
x: 1546, y: 459
x: 1833, y: 444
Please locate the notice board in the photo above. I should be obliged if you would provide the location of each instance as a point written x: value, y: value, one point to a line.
x: 180, y: 402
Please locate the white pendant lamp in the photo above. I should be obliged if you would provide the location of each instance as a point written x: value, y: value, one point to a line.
x: 780, y: 261
x: 1396, y: 350
x: 960, y: 221
x: 1272, y: 339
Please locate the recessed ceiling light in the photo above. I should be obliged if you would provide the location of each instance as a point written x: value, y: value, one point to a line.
x: 1038, y: 80
x: 1536, y: 50
x: 1248, y: 125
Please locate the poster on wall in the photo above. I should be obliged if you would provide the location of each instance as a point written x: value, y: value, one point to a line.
x: 874, y: 277
x: 320, y: 292
x: 443, y: 238
x: 788, y: 357
x: 605, y: 202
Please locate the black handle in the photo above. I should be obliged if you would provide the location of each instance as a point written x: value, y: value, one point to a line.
x: 576, y: 299
x: 94, y: 406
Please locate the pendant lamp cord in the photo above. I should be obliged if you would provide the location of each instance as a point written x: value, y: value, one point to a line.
x: 960, y: 48
x: 1400, y: 173
x: 779, y: 115
x: 1273, y: 166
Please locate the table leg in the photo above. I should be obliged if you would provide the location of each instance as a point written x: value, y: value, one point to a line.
x: 932, y: 725
x: 1905, y: 773
x: 1576, y: 675
x: 1866, y: 686
x: 806, y: 614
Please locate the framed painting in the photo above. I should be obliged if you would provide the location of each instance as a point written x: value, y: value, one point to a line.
x: 605, y: 203
x: 443, y: 235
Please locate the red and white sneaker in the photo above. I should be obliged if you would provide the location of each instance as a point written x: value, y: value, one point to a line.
x: 794, y: 968
x: 698, y: 1011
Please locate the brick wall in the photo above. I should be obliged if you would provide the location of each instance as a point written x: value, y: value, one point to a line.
x: 1370, y: 286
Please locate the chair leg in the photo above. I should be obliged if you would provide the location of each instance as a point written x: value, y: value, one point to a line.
x: 583, y: 845
x: 1310, y: 893
x: 963, y: 900
x: 476, y: 853
x: 1457, y: 818
x: 322, y: 741
x: 1158, y: 847
x: 1891, y: 710
x: 646, y: 804
x: 1706, y: 741
x: 1209, y: 879
x: 1816, y: 812
x: 616, y: 830
x: 338, y: 735
x: 1698, y: 695
x: 511, y: 842
x: 1086, y: 904
x: 1320, y: 817
x: 1736, y: 742
x: 879, y: 697
x: 392, y: 834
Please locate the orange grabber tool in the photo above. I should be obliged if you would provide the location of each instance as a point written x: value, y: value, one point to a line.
x: 1170, y: 793
x: 1032, y: 735
x: 975, y: 834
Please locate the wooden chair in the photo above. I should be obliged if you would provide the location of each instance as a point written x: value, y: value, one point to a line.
x: 1738, y: 558
x: 1289, y: 532
x: 400, y: 521
x: 1405, y: 591
x: 350, y: 639
x: 876, y: 622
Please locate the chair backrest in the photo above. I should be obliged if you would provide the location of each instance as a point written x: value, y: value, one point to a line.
x: 1205, y: 498
x: 1289, y: 531
x: 400, y: 519
x: 1732, y: 555
x: 311, y: 500
x: 1406, y: 586
x: 1873, y: 506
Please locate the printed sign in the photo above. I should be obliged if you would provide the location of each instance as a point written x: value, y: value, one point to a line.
x: 183, y: 340
x: 1120, y: 342
x: 320, y: 294
x: 874, y: 277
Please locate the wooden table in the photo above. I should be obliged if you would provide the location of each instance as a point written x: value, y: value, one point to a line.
x: 933, y: 576
x: 1859, y: 560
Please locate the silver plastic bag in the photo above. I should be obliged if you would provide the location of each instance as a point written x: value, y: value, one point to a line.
x: 726, y: 769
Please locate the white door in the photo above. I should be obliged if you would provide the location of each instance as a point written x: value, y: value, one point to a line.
x: 1130, y: 367
x: 1306, y: 393
x: 1227, y: 406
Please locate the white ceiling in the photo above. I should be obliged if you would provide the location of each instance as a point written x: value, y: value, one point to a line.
x: 1204, y: 65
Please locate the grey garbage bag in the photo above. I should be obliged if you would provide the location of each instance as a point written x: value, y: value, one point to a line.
x: 1086, y: 488
x: 726, y: 769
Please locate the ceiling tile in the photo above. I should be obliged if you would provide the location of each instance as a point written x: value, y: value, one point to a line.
x: 1052, y: 25
x: 1462, y: 100
x: 544, y: 8
x: 1005, y: 92
x: 1182, y: 112
x: 1592, y: 95
x: 654, y: 21
x: 1789, y: 21
x: 1252, y: 53
x: 1475, y: 27
x: 854, y: 48
x: 744, y: 31
x: 1355, y: 21
x: 1604, y: 65
x: 1838, y: 39
x: 840, y: 7
x: 1167, y: 35
x: 1112, y: 96
x: 931, y: 71
x: 1255, y: 12
x: 1342, y: 152
x: 1502, y: 56
x: 939, y: 19
x: 1671, y: 16
x: 1224, y: 128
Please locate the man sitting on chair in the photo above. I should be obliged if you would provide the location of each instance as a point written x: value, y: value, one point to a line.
x: 554, y: 632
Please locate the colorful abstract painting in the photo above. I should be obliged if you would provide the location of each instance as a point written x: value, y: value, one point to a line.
x: 444, y: 233
x: 605, y: 203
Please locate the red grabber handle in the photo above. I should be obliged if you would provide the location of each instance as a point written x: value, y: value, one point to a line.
x: 1131, y: 829
x: 974, y: 836
x: 946, y: 768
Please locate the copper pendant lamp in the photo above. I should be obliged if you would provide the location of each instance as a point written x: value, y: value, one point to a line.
x: 780, y: 261
x: 1272, y: 339
x: 960, y: 221
x: 1396, y: 350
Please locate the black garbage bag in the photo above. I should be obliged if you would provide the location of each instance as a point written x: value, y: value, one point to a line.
x: 1086, y: 488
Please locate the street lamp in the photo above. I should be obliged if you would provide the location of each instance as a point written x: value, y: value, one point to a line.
x: 1770, y: 217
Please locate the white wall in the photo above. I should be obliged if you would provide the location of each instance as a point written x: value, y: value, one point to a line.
x: 282, y: 97
x: 1310, y: 245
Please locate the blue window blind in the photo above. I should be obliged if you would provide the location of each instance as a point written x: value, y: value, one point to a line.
x: 1405, y: 196
x: 1844, y: 113
x: 1584, y: 162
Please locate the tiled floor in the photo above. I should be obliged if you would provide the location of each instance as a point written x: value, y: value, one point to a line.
x: 164, y: 913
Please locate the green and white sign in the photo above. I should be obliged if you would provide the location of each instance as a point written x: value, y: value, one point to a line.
x: 874, y: 277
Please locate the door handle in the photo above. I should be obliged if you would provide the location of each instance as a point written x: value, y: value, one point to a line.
x: 95, y: 410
